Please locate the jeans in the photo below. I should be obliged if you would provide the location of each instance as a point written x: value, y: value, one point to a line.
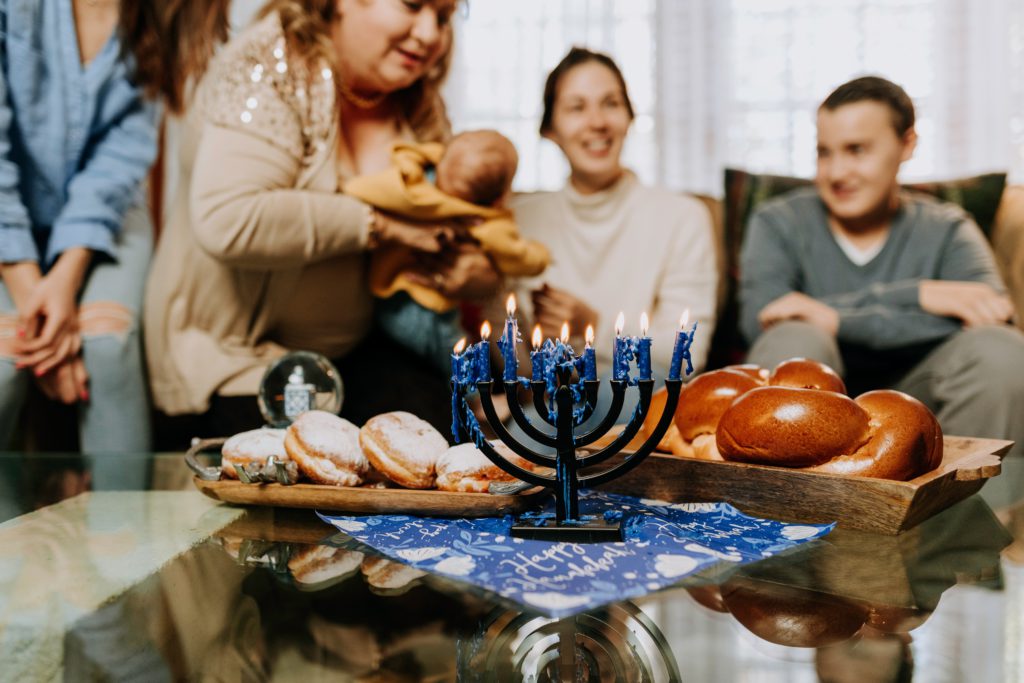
x: 115, y: 419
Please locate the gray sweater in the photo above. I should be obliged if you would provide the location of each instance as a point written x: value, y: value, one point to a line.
x: 789, y: 247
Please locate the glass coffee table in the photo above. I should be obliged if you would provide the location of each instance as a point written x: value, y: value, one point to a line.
x: 123, y: 571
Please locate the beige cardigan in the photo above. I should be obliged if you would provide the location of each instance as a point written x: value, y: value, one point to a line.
x: 261, y: 254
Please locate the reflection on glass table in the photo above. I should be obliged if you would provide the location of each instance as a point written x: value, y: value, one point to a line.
x: 168, y: 585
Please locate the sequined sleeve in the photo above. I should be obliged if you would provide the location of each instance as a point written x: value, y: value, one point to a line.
x: 264, y: 190
x: 254, y: 87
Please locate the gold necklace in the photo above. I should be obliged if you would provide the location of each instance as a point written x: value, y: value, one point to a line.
x: 358, y: 100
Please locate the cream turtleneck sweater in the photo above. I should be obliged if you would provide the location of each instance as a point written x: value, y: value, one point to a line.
x: 630, y: 248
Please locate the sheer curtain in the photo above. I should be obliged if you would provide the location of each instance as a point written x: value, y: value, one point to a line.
x: 736, y: 82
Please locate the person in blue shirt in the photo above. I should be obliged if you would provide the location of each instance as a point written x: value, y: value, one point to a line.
x: 77, y: 138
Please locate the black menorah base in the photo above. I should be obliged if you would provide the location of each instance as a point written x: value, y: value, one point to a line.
x: 565, y: 465
x: 587, y: 529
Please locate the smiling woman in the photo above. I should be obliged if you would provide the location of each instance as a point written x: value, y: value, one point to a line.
x: 262, y: 252
x: 616, y: 245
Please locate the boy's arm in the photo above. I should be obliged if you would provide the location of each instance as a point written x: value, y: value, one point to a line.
x: 768, y: 271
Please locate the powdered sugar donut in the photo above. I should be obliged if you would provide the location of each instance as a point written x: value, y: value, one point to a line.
x: 465, y: 468
x: 251, y: 448
x: 403, y: 448
x: 326, y: 449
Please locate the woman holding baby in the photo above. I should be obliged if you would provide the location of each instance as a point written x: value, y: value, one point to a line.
x: 262, y: 252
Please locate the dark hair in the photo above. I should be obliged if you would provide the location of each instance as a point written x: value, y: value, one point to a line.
x: 875, y: 89
x: 171, y: 41
x: 478, y: 166
x: 577, y: 56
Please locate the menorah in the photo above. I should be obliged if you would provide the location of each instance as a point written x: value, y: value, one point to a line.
x: 565, y: 393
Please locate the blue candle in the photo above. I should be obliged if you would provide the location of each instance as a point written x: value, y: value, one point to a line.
x: 483, y: 354
x: 457, y: 375
x: 681, y: 350
x: 620, y: 367
x: 589, y: 356
x: 509, y: 339
x: 644, y: 349
x: 538, y: 356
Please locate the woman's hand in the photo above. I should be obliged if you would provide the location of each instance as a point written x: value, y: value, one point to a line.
x: 49, y: 316
x: 430, y: 238
x: 552, y: 307
x: 462, y: 272
x: 68, y: 382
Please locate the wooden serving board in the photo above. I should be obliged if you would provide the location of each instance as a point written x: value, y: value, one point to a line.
x: 357, y: 500
x: 877, y: 505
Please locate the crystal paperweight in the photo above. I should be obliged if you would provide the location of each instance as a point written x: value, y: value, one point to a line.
x: 297, y: 382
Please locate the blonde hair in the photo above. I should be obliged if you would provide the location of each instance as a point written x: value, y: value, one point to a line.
x: 307, y: 29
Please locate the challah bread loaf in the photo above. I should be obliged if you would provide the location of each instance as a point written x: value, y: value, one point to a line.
x: 806, y: 374
x: 905, y: 439
x: 884, y: 434
x: 670, y: 442
x: 799, y: 416
x: 791, y: 427
x: 702, y: 404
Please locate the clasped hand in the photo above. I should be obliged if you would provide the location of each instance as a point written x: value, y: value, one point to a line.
x: 48, y: 341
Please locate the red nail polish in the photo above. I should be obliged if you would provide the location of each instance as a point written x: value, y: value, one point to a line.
x: 38, y: 372
x: 20, y: 333
x: 84, y: 395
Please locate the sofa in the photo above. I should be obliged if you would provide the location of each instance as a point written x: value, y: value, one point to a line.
x: 997, y: 207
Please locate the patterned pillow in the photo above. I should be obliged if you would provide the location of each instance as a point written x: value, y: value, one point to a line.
x: 979, y: 196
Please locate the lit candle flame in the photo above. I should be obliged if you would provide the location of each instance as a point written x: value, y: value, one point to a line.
x: 644, y: 324
x: 565, y: 333
x: 620, y: 323
x: 485, y: 330
x: 589, y: 336
x: 684, y: 319
x: 510, y: 305
x: 536, y: 337
x: 460, y: 346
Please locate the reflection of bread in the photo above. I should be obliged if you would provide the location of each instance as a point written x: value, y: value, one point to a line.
x: 326, y: 449
x: 388, y: 575
x: 465, y: 468
x: 403, y: 447
x: 792, y: 616
x: 316, y: 564
x: 252, y: 448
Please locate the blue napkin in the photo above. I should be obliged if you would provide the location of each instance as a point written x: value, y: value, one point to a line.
x: 664, y: 543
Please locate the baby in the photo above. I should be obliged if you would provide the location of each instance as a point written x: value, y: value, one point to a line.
x: 468, y: 179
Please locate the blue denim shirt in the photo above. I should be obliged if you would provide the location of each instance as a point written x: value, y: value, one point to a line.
x: 75, y: 141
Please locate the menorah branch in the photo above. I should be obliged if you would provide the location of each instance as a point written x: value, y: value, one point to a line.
x: 504, y: 435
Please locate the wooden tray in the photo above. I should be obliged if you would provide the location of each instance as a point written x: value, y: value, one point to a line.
x: 369, y: 500
x: 877, y: 505
x: 351, y: 499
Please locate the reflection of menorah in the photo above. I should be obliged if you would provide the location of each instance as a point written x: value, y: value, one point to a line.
x: 565, y: 404
x: 619, y: 642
